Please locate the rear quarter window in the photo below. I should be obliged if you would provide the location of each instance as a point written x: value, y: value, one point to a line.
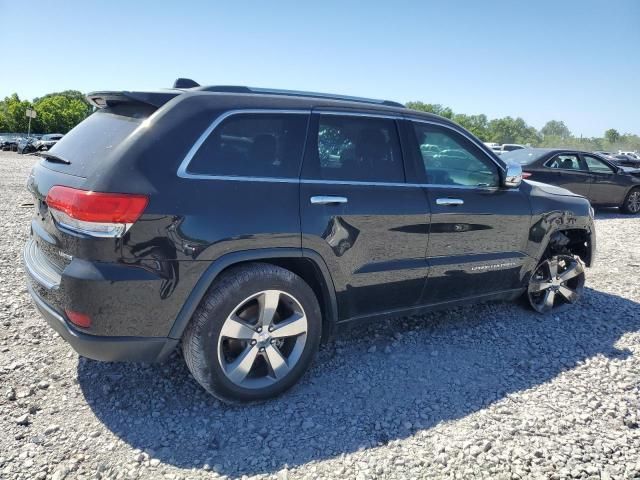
x: 253, y: 144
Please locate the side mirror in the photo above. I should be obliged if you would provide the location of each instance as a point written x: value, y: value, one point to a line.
x: 513, y: 177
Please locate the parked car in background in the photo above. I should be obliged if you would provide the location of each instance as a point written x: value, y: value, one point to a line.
x: 630, y: 154
x: 47, y: 141
x: 625, y: 160
x: 506, y: 147
x: 26, y: 145
x: 604, y: 154
x: 587, y: 174
x: 497, y: 149
x: 9, y: 143
x: 509, y: 147
x: 328, y: 209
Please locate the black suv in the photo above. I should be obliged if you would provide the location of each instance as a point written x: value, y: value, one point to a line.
x: 246, y: 224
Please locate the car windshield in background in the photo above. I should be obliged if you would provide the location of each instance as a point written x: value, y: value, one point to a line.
x: 523, y: 156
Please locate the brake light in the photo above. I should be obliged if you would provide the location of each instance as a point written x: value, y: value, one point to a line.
x: 81, y: 320
x: 95, y: 213
x: 526, y: 174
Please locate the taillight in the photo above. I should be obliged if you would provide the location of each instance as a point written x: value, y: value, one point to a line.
x: 95, y: 213
x: 526, y: 174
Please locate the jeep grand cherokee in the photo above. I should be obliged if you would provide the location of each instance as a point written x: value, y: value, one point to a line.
x: 246, y: 224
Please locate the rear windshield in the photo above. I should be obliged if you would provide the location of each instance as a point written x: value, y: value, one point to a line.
x: 94, y: 139
x: 523, y: 156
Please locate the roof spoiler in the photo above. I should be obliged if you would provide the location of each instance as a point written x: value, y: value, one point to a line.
x: 185, y: 83
x: 109, y: 99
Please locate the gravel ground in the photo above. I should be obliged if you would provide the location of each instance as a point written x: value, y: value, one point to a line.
x: 492, y: 391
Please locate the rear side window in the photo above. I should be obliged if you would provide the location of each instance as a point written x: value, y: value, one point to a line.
x: 355, y: 148
x: 257, y: 145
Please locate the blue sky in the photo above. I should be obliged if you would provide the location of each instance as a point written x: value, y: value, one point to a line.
x: 571, y: 60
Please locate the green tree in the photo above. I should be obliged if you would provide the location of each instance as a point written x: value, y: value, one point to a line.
x: 435, y: 108
x: 56, y: 112
x: 512, y: 130
x: 13, y: 114
x: 555, y: 128
x: 612, y: 135
x: 476, y: 124
x: 59, y: 113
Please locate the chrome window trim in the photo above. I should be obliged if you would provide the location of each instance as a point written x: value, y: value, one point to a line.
x: 309, y: 181
x: 391, y: 184
x: 183, y: 169
x: 388, y: 116
x: 184, y: 165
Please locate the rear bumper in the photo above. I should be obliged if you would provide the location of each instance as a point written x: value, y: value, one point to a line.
x: 105, y: 348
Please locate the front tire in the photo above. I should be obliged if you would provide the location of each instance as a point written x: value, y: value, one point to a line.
x: 556, y: 284
x: 631, y: 202
x: 254, y: 334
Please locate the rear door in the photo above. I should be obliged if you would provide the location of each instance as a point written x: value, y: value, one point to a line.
x: 567, y: 170
x: 606, y: 189
x: 478, y: 230
x: 357, y: 211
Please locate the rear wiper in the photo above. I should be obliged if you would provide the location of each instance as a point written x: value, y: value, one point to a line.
x: 53, y: 158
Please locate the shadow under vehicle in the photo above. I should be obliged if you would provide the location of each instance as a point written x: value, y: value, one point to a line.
x: 355, y: 399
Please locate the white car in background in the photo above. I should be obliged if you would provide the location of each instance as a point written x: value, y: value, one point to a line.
x: 496, y: 147
x: 510, y: 147
x: 506, y: 147
x: 635, y: 155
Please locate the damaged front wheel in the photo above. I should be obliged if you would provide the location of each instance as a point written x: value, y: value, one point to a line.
x: 556, y: 284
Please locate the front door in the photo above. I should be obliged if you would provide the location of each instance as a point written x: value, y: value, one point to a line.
x: 479, y: 231
x: 358, y: 212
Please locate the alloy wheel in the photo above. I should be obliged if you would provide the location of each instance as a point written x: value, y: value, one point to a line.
x: 263, y: 339
x: 633, y: 201
x: 556, y: 284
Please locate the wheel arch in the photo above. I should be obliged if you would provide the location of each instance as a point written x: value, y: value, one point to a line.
x: 578, y: 241
x: 627, y: 193
x: 305, y: 263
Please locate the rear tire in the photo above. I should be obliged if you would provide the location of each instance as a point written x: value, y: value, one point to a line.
x: 631, y: 204
x: 254, y: 334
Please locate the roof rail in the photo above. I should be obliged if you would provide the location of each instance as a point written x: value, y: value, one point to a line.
x: 296, y: 93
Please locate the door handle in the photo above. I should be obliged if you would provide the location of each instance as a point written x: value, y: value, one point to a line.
x: 327, y: 200
x: 449, y: 201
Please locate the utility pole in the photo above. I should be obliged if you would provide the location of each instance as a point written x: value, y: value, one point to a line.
x: 31, y: 113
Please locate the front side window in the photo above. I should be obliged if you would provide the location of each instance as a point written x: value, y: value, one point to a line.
x: 450, y: 159
x: 354, y: 148
x: 565, y: 162
x: 253, y: 144
x: 597, y: 165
